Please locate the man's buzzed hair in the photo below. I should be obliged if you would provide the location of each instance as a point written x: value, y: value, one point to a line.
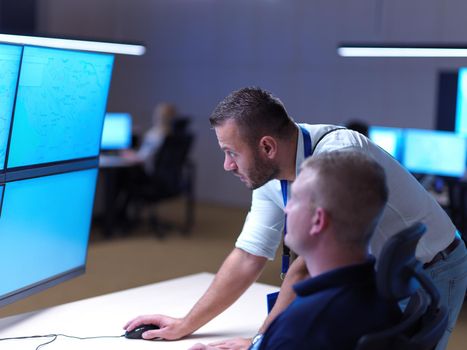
x: 351, y: 187
x: 256, y: 112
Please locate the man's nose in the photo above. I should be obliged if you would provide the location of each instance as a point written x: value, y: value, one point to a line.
x: 229, y: 164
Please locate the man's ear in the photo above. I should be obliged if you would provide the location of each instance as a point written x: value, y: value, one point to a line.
x: 319, y: 221
x: 268, y: 146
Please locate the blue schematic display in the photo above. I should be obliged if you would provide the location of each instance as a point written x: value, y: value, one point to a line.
x: 52, y: 107
x: 44, y: 228
x: 10, y: 58
x: 117, y: 131
x: 435, y: 152
x: 60, y: 106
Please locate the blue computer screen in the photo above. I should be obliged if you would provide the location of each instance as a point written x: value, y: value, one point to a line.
x: 435, y: 152
x: 44, y: 228
x: 461, y: 108
x: 117, y: 131
x: 10, y: 57
x: 60, y: 105
x: 389, y: 139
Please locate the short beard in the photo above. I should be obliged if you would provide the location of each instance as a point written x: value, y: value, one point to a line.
x: 261, y: 173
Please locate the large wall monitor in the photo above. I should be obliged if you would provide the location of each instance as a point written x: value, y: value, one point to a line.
x: 435, y: 152
x: 117, y: 131
x: 44, y: 225
x: 60, y: 105
x: 52, y: 107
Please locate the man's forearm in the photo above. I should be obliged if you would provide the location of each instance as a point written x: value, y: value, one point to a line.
x: 236, y: 274
x: 297, y: 272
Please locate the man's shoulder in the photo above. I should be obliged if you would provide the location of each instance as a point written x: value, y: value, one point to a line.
x: 312, y: 305
x: 317, y: 131
x: 319, y: 127
x: 298, y: 326
x: 270, y: 187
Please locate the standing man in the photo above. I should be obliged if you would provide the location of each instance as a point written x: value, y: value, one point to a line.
x: 265, y: 148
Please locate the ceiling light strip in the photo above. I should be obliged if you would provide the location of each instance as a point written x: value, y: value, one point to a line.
x: 401, y: 52
x: 96, y: 46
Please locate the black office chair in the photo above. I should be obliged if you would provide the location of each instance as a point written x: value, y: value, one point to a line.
x: 399, y: 276
x: 173, y: 176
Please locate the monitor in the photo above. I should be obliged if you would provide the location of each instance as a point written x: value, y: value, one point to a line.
x: 10, y: 58
x: 389, y: 139
x: 435, y: 152
x: 60, y: 106
x: 461, y: 106
x: 446, y: 100
x: 117, y: 131
x: 44, y: 231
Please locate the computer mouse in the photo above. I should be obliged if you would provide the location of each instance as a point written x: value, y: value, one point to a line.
x: 137, y: 333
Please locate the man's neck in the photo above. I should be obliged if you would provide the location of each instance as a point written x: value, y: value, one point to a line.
x: 288, y: 158
x: 330, y: 259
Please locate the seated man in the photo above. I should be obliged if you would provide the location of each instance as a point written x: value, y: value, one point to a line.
x: 335, y: 205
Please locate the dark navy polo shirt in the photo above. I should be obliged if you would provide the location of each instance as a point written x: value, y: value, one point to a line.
x: 332, y: 311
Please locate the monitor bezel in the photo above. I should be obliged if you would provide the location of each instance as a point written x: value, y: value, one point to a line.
x: 40, y: 286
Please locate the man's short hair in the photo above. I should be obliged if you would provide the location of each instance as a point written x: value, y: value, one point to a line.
x: 256, y: 112
x: 351, y: 187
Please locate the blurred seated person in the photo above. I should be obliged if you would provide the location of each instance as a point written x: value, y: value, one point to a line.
x: 162, y: 125
x: 165, y: 146
x: 336, y: 202
x: 358, y: 126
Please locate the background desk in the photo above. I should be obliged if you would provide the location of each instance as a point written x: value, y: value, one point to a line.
x: 111, y: 168
x: 107, y: 314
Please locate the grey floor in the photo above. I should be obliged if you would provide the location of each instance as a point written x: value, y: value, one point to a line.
x: 140, y: 258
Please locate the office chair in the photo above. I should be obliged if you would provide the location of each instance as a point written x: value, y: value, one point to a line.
x: 173, y: 176
x: 399, y: 276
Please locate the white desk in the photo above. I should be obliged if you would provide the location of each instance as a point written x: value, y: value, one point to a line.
x: 115, y: 161
x: 107, y: 314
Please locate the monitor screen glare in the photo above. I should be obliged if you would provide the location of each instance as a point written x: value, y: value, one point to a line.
x: 60, y: 106
x: 389, y: 139
x: 435, y: 152
x: 117, y: 131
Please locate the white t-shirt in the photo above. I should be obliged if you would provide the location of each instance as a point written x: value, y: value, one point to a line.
x: 152, y: 141
x: 408, y: 201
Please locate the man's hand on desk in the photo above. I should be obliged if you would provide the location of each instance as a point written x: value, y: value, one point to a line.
x: 169, y: 328
x: 229, y: 344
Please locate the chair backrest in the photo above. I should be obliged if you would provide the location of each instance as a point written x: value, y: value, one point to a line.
x: 170, y: 161
x: 400, y: 275
x: 397, y: 262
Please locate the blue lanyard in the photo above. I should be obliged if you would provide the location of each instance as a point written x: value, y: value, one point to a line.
x: 284, y: 185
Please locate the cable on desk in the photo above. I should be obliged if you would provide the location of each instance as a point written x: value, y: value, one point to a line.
x: 55, y: 336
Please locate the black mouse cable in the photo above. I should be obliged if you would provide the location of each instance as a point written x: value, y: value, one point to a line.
x: 55, y: 336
